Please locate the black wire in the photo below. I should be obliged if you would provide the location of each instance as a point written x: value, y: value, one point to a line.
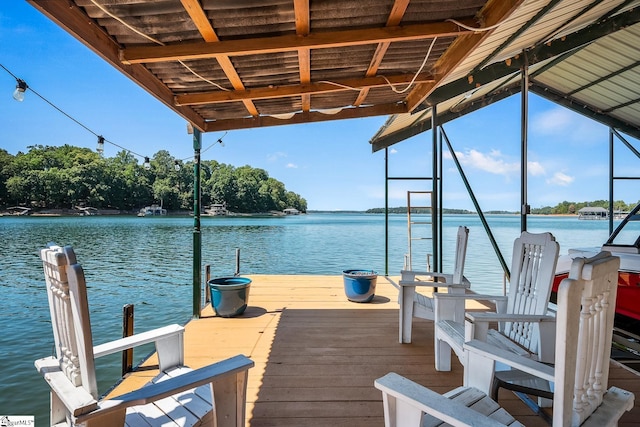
x: 70, y: 117
x: 219, y: 140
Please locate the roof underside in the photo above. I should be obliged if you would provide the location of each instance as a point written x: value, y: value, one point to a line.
x: 582, y: 55
x: 225, y: 64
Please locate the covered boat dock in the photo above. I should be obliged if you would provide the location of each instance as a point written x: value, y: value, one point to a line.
x: 228, y: 65
x: 317, y: 354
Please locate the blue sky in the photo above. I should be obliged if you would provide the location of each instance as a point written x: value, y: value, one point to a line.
x: 330, y: 164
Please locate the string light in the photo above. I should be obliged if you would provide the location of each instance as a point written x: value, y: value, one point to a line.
x: 18, y: 95
x: 21, y: 87
x: 100, y: 147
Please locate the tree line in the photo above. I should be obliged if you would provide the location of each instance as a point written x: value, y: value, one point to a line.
x: 562, y: 208
x: 572, y: 208
x: 67, y: 177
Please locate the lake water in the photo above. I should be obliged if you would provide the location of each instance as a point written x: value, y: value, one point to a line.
x: 147, y: 262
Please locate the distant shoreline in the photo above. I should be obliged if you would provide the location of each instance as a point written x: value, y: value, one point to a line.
x: 113, y: 212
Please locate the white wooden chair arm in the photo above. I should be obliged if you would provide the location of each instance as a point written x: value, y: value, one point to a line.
x: 169, y: 342
x: 429, y: 402
x: 464, y: 285
x: 76, y: 399
x: 172, y: 386
x: 445, y: 280
x: 477, y: 317
x: 479, y: 297
x: 476, y: 348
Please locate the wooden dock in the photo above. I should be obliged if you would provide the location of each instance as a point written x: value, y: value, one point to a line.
x: 317, y: 354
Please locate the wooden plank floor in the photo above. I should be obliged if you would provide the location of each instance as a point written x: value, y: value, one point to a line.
x: 317, y: 354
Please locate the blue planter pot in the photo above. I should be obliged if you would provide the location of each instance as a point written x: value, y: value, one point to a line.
x: 360, y: 285
x: 229, y: 295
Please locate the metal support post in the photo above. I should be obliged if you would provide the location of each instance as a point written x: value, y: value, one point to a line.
x: 524, y: 206
x: 197, y: 237
x: 610, y: 181
x: 435, y: 195
x: 386, y: 211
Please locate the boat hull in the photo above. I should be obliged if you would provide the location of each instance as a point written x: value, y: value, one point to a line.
x: 628, y: 299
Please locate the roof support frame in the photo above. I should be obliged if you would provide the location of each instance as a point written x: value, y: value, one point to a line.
x: 569, y: 44
x: 305, y: 117
x: 285, y: 43
x: 74, y: 21
x: 199, y: 18
x: 570, y: 103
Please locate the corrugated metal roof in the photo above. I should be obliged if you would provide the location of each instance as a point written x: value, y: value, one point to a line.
x: 225, y: 64
x: 596, y: 74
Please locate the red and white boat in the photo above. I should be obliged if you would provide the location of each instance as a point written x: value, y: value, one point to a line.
x: 624, y: 242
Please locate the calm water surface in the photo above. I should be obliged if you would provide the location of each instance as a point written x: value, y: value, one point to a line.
x: 147, y: 262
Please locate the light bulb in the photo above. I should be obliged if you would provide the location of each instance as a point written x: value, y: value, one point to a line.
x: 100, y: 147
x: 21, y: 87
x: 146, y: 163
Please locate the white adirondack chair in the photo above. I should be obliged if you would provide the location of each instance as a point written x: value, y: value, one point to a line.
x: 414, y: 304
x: 586, y: 308
x: 177, y: 396
x: 532, y: 270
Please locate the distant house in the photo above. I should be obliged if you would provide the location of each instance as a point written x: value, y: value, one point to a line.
x: 291, y: 211
x: 216, y: 209
x: 596, y: 212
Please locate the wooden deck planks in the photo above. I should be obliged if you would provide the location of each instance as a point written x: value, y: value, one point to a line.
x: 317, y: 354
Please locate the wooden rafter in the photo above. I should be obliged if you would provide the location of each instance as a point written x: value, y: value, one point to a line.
x: 303, y: 27
x: 494, y: 12
x: 288, y: 43
x: 298, y: 90
x: 199, y: 18
x: 305, y: 117
x: 75, y: 22
x: 395, y: 17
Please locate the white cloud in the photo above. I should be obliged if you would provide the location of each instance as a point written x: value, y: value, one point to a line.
x: 535, y: 169
x: 560, y: 179
x: 559, y: 122
x: 492, y: 162
x: 394, y: 151
x: 276, y: 156
x: 292, y: 166
x: 495, y: 163
x: 553, y: 122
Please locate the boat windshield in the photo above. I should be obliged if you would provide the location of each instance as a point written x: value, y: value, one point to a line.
x: 627, y: 234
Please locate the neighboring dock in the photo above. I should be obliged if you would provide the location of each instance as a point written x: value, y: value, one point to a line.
x: 317, y: 354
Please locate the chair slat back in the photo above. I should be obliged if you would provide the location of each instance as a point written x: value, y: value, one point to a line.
x: 583, y: 339
x: 67, y: 295
x: 532, y: 270
x: 461, y: 253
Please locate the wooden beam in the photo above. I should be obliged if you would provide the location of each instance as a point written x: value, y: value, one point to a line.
x: 199, y: 18
x: 305, y: 117
x: 201, y: 21
x: 75, y: 22
x: 494, y: 12
x: 303, y: 27
x: 395, y: 17
x: 240, y: 47
x: 295, y: 90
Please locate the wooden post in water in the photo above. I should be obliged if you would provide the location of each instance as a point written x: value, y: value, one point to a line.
x: 127, y: 331
x: 237, y: 272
